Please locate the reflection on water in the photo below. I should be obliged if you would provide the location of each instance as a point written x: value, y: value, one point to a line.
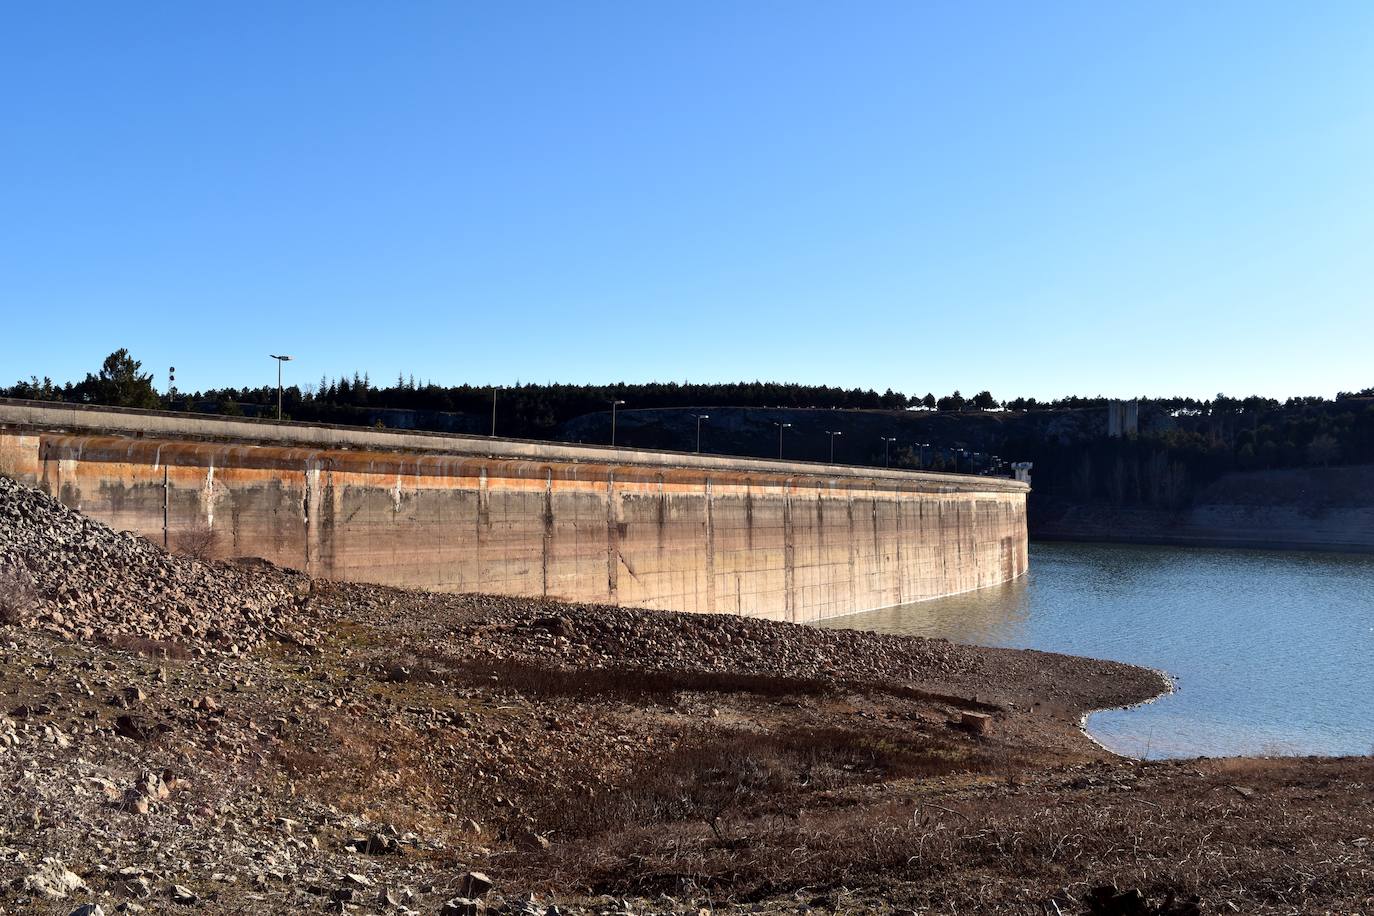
x: 987, y: 617
x: 1273, y: 652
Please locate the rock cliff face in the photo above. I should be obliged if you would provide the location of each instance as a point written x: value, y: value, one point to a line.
x: 1305, y: 509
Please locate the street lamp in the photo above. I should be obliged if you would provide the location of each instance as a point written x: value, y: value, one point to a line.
x: 700, y: 417
x: 923, y: 446
x: 832, y: 436
x: 494, y: 389
x: 887, y: 441
x: 781, y: 427
x: 280, y: 360
x: 614, y: 405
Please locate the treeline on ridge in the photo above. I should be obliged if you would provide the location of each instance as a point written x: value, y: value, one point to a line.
x: 1182, y: 443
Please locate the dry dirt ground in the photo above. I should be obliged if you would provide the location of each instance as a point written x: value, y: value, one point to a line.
x: 179, y: 736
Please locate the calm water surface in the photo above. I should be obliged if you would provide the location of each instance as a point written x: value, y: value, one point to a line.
x: 1273, y: 652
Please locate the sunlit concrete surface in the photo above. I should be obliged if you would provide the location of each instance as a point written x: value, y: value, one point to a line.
x: 789, y: 541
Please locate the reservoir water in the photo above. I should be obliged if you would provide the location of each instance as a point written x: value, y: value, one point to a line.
x: 1273, y: 652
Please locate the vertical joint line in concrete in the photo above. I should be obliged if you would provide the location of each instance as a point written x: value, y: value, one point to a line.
x: 548, y: 525
x: 901, y: 570
x: 710, y: 552
x: 789, y: 555
x: 305, y: 512
x: 612, y: 541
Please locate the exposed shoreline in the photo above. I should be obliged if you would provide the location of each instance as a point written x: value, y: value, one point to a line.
x: 271, y: 744
x: 1171, y: 688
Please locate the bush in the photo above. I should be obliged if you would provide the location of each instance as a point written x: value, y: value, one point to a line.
x: 17, y: 595
x: 200, y: 542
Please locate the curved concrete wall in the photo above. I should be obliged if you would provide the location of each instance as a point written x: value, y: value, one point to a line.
x: 773, y: 539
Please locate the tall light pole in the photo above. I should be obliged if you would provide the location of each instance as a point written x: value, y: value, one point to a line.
x: 923, y: 446
x: 781, y: 427
x: 832, y: 436
x: 614, y: 405
x: 887, y: 441
x: 280, y: 360
x: 700, y: 417
x: 493, y: 411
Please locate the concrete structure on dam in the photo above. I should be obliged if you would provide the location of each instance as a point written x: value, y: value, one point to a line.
x: 774, y: 539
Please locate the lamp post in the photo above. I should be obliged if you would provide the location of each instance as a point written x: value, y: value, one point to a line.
x: 923, y: 446
x: 700, y: 417
x: 887, y: 441
x: 280, y: 360
x: 614, y: 405
x: 781, y: 427
x: 832, y: 435
x: 494, y: 389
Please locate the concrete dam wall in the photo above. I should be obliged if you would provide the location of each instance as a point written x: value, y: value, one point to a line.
x: 774, y: 539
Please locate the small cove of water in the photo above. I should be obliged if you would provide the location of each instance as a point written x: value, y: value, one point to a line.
x: 1273, y: 652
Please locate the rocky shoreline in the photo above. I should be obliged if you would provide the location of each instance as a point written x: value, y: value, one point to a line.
x: 180, y: 736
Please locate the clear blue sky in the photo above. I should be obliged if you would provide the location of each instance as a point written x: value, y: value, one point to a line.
x: 1036, y: 198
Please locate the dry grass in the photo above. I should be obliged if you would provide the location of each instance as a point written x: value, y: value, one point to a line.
x: 943, y: 850
x: 366, y: 768
x: 734, y: 776
x: 624, y: 684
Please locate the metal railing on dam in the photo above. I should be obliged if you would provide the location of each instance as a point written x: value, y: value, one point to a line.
x: 785, y: 540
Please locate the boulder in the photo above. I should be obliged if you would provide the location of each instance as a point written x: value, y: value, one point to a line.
x: 132, y: 727
x: 474, y: 884
x: 183, y: 895
x: 976, y: 723
x: 53, y: 880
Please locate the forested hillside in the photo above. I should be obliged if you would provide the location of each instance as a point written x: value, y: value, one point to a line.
x: 1182, y: 444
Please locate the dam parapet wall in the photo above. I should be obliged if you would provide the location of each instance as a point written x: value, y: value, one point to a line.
x: 714, y: 534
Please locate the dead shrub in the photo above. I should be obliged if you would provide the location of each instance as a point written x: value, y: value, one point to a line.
x: 375, y: 770
x: 149, y: 648
x: 17, y: 595
x: 199, y: 542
